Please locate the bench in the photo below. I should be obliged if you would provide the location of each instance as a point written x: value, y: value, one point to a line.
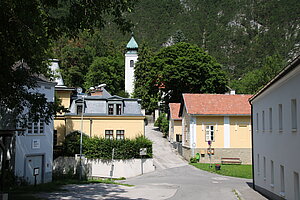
x: 236, y: 161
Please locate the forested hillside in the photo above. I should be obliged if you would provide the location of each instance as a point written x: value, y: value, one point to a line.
x: 242, y: 35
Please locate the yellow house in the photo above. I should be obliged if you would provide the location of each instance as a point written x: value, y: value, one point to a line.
x: 222, y: 119
x: 100, y: 114
x: 175, y: 123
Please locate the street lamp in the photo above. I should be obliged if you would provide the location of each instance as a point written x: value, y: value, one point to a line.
x: 79, y: 90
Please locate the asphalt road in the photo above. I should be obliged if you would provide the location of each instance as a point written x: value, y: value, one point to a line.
x: 173, y: 179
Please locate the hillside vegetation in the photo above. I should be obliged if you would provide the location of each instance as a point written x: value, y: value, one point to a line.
x: 242, y: 35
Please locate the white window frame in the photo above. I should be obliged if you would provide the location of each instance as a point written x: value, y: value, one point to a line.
x: 294, y: 114
x: 120, y: 134
x: 36, y: 128
x: 280, y: 116
x: 109, y: 134
x: 209, y: 133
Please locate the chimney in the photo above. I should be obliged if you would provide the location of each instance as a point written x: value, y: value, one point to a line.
x: 232, y: 92
x: 98, y: 91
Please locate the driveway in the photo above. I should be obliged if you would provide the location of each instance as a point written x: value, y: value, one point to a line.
x: 173, y: 179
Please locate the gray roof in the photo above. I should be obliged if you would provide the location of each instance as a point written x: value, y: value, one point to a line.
x: 98, y: 105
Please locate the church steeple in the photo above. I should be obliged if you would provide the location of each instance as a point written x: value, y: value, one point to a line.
x: 131, y: 57
x: 132, y: 45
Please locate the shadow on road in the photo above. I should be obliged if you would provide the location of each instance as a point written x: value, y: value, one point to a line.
x: 90, y: 191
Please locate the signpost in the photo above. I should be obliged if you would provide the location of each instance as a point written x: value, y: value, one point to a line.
x: 209, y: 152
x: 36, y: 172
x: 143, y: 152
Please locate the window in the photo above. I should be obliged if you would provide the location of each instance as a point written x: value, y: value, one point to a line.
x: 29, y: 127
x: 110, y: 109
x: 265, y: 169
x: 131, y: 63
x: 280, y: 117
x: 120, y: 135
x: 119, y: 109
x: 54, y: 137
x: 257, y: 125
x: 42, y: 126
x: 272, y: 173
x: 109, y: 134
x: 282, y: 184
x: 294, y: 113
x: 258, y: 170
x: 263, y: 120
x: 209, y: 133
x: 79, y: 109
x: 270, y: 119
x: 36, y: 127
x: 296, y: 186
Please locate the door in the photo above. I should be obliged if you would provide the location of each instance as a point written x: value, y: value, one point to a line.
x: 34, y: 169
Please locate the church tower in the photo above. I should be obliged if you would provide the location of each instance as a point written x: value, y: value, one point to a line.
x: 131, y: 57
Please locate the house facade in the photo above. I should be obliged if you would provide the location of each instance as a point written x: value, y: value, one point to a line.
x: 34, y: 149
x: 276, y: 135
x: 103, y: 115
x: 222, y: 119
x: 175, y: 123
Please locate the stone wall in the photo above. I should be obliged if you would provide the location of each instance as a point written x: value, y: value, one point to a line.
x: 245, y: 154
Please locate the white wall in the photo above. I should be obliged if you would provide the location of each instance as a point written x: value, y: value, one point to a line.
x: 102, y: 168
x: 24, y: 143
x: 282, y: 147
x: 129, y: 72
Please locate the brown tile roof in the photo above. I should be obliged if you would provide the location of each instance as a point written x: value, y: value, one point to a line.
x: 174, y: 110
x: 217, y: 104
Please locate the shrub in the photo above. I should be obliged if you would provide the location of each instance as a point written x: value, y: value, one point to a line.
x: 162, y: 123
x: 101, y: 148
x: 193, y: 160
x: 71, y: 145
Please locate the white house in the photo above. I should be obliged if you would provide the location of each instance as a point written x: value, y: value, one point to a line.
x: 34, y: 149
x: 276, y: 135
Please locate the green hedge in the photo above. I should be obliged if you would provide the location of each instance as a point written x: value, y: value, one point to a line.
x: 101, y: 148
x: 162, y: 123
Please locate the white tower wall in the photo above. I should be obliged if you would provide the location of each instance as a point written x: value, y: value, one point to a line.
x: 129, y: 71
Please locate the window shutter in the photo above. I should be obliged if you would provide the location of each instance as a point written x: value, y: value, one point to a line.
x: 207, y: 133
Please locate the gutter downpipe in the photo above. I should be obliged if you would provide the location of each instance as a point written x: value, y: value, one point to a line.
x: 253, y: 175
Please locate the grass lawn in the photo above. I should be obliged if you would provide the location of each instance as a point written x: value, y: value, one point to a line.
x: 27, y: 192
x: 241, y: 171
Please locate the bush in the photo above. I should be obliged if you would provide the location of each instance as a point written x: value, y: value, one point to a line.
x: 101, y: 148
x: 162, y: 123
x: 193, y: 160
x: 71, y: 145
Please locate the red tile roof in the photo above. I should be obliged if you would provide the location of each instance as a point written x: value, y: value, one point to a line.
x: 217, y: 104
x: 174, y: 110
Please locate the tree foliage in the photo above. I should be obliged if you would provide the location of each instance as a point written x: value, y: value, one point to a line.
x: 108, y: 70
x: 256, y: 79
x: 27, y: 29
x: 177, y: 69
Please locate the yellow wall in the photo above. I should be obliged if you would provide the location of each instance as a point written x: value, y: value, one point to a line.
x: 96, y: 126
x: 218, y: 123
x: 65, y: 96
x: 240, y: 132
x: 177, y: 128
x: 59, y: 125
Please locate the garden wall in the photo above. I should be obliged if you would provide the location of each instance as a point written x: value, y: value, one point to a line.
x: 104, y: 168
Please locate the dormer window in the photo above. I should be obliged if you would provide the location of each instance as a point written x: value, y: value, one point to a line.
x: 110, y: 109
x: 114, y: 109
x: 118, y: 109
x: 79, y: 109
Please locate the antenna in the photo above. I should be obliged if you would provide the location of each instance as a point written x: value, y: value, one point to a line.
x: 79, y: 90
